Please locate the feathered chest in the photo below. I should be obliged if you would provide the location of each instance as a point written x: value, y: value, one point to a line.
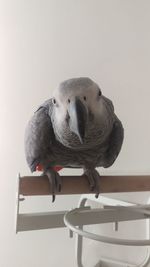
x: 95, y: 134
x: 67, y: 157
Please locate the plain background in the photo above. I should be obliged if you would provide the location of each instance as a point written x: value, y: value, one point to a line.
x: 41, y: 44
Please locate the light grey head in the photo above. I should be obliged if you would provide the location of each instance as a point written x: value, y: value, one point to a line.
x: 78, y: 112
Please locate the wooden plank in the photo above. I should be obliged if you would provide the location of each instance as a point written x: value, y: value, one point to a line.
x: 39, y: 185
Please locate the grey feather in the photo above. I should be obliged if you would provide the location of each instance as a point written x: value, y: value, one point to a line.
x: 39, y: 136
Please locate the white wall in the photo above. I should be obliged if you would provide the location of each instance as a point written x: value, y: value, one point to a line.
x: 41, y: 44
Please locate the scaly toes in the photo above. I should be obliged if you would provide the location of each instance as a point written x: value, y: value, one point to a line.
x: 55, y: 182
x: 93, y: 179
x: 58, y: 182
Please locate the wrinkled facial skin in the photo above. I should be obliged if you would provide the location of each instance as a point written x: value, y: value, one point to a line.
x: 88, y: 93
x: 78, y: 111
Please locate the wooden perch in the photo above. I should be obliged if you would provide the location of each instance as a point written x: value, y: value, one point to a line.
x: 39, y: 185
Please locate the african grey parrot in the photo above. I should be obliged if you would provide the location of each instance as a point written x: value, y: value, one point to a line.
x: 76, y: 128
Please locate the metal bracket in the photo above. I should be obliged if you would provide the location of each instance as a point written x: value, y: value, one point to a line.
x: 84, y: 215
x: 111, y: 202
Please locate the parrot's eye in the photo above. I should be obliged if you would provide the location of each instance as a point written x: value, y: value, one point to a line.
x: 68, y: 100
x: 99, y: 93
x: 84, y: 98
x: 54, y: 101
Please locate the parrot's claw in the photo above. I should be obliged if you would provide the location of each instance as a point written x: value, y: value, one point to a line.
x: 54, y: 180
x: 93, y: 179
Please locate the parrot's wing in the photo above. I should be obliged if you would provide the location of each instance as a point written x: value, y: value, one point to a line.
x: 115, y: 139
x: 39, y: 135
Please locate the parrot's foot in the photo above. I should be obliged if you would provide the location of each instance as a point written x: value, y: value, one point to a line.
x: 54, y: 180
x: 93, y: 179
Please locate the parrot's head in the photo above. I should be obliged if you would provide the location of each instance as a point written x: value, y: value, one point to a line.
x: 78, y: 113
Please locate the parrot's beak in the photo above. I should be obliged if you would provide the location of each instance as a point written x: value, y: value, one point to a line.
x: 78, y: 118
